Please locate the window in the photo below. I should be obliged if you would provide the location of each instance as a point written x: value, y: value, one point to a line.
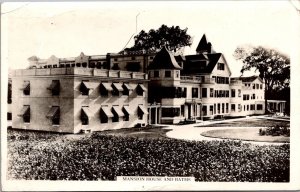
x: 68, y: 65
x: 73, y: 65
x: 252, y: 107
x: 259, y: 107
x: 211, y: 92
x: 170, y: 112
x: 117, y: 89
x: 240, y: 107
x: 9, y: 116
x: 221, y: 66
x: 140, y: 89
x: 204, y: 110
x: 105, y: 114
x: 245, y: 97
x: 99, y: 65
x: 115, y: 66
x: 239, y: 92
x: 141, y: 112
x: 126, y: 112
x: 227, y: 107
x: 194, y: 92
x: 54, y: 66
x: 260, y: 86
x: 86, y: 86
x: 232, y: 107
x: 25, y: 113
x: 219, y: 108
x: 253, y: 86
x: 215, y: 109
x: 54, y: 115
x: 257, y: 86
x: 62, y: 65
x: 115, y: 59
x: 177, y: 74
x: 222, y: 107
x: 226, y: 80
x: 26, y: 88
x: 204, y: 92
x: 226, y: 93
x: 127, y: 88
x: 247, y: 107
x: 92, y: 65
x: 167, y: 73
x: 133, y: 66
x: 117, y: 112
x: 211, y: 109
x: 55, y: 87
x: 244, y: 107
x: 105, y: 88
x: 232, y: 92
x: 78, y: 64
x: 132, y: 58
x: 85, y: 113
x: 253, y: 96
x: 156, y: 73
x: 84, y: 64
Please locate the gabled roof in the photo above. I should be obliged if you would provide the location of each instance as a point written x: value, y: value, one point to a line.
x: 247, y: 79
x: 164, y: 59
x: 199, y: 64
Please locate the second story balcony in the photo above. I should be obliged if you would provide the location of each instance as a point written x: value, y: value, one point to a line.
x: 193, y: 79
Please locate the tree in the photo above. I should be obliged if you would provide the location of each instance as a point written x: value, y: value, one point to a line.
x: 171, y: 37
x: 273, y: 67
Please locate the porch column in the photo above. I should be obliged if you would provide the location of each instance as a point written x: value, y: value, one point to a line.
x: 156, y: 118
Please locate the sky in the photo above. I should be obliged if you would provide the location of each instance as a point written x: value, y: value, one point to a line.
x: 96, y: 28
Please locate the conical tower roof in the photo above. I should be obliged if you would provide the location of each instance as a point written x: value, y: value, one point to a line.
x: 164, y: 59
x: 202, y: 44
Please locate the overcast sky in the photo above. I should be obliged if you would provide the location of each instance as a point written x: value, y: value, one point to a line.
x: 66, y: 29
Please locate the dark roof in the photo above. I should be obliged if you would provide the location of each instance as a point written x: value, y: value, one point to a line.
x: 202, y: 63
x: 164, y: 59
x: 202, y: 44
x: 246, y: 79
x: 180, y: 58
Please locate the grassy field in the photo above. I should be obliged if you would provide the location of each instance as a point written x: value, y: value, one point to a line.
x: 250, y: 123
x: 248, y: 134
x: 141, y: 152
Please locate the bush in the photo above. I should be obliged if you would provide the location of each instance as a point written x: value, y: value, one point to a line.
x: 103, y: 157
x: 276, y: 130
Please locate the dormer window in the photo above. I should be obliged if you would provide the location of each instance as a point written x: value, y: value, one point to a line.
x: 167, y: 74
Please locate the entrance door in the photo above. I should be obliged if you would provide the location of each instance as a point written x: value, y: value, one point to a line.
x: 153, y: 115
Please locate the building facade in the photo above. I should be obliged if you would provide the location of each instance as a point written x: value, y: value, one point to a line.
x: 78, y: 99
x: 200, y: 87
x: 112, y: 91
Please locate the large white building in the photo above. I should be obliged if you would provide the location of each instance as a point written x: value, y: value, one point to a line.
x: 94, y: 93
x: 78, y: 99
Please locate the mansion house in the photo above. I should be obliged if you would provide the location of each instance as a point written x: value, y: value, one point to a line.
x: 95, y: 93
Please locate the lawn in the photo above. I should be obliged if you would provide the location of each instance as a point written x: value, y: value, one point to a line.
x: 141, y: 152
x: 248, y: 134
x: 250, y: 123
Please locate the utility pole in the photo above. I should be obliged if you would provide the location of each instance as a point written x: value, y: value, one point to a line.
x: 136, y: 22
